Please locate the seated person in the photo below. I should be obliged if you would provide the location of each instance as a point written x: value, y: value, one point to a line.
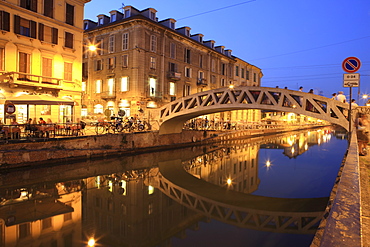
x: 41, y: 121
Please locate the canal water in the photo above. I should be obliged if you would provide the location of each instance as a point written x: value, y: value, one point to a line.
x: 263, y: 191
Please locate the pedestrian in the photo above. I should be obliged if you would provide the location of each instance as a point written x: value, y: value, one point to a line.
x: 341, y: 97
x: 353, y: 103
x: 334, y: 96
x: 362, y: 132
x: 300, y: 89
x: 311, y: 91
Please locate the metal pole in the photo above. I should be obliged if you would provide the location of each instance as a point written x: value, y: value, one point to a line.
x: 350, y: 110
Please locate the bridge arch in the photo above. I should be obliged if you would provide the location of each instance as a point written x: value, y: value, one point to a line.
x: 174, y: 114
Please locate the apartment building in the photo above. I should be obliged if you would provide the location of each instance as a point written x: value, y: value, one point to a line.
x: 139, y: 63
x: 41, y: 59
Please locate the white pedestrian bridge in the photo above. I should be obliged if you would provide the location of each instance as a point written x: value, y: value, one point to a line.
x: 174, y: 114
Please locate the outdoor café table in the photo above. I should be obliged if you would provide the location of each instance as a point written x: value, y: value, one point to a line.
x: 13, y: 132
x: 44, y: 130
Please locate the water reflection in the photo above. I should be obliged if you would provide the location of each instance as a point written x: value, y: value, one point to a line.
x: 150, y: 199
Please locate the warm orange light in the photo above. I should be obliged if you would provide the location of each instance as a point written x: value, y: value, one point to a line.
x: 229, y: 181
x: 91, y: 242
x: 92, y: 48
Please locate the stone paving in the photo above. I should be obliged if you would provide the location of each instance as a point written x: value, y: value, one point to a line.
x: 365, y: 199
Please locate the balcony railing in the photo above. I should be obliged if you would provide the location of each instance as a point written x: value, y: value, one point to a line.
x: 108, y: 95
x: 20, y: 78
x: 174, y: 75
x: 202, y: 82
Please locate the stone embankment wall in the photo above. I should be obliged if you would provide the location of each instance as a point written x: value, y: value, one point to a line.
x: 86, y: 147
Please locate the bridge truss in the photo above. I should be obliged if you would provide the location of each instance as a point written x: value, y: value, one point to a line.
x: 174, y: 114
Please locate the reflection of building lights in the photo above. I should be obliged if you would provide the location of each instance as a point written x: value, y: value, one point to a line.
x: 91, y: 242
x: 293, y: 150
x: 98, y: 182
x: 306, y: 146
x: 319, y: 141
x: 229, y: 181
x: 150, y: 189
x: 110, y: 185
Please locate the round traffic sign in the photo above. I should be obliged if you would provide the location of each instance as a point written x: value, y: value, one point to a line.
x: 9, y: 108
x: 351, y: 64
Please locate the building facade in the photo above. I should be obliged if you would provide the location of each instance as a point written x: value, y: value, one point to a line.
x: 41, y: 54
x: 141, y: 63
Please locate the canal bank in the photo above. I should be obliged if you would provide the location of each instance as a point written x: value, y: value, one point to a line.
x: 45, y: 151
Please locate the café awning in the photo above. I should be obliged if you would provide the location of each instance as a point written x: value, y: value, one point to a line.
x: 26, y: 99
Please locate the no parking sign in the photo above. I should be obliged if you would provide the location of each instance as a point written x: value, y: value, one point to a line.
x: 351, y: 64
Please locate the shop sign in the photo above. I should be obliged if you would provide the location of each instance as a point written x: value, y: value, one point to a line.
x: 10, y: 108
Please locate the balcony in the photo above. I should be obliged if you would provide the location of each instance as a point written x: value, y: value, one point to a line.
x: 108, y: 95
x: 202, y: 82
x: 174, y: 75
x: 25, y: 79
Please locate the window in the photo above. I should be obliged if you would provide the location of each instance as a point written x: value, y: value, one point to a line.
x: 223, y: 69
x: 124, y: 41
x: 48, y: 8
x: 113, y: 18
x: 173, y: 67
x: 186, y: 91
x: 213, y: 67
x: 153, y: 43
x: 24, y: 63
x: 47, y: 65
x: 152, y: 62
x: 125, y: 61
x: 172, y: 88
x: 173, y: 50
x: 68, y: 40
x: 99, y: 64
x: 4, y: 21
x: 187, y: 56
x: 67, y: 71
x: 110, y: 86
x: 111, y: 44
x: 124, y: 84
x: 201, y: 75
x: 242, y: 73
x: 24, y: 27
x: 152, y: 15
x: 98, y: 86
x: 152, y: 86
x: 24, y: 230
x: 223, y: 82
x: 213, y: 79
x: 83, y: 86
x: 247, y: 75
x: 100, y: 47
x: 127, y: 13
x: 236, y: 70
x: 201, y: 61
x: 1, y: 58
x: 111, y: 63
x: 101, y: 21
x: 188, y: 72
x: 254, y: 77
x: 70, y: 14
x: 29, y: 4
x: 46, y: 223
x: 48, y: 34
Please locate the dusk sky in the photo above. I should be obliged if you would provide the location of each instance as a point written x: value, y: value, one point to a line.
x: 295, y: 43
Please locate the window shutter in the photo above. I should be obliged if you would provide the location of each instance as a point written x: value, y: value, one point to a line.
x: 55, y: 36
x: 33, y: 29
x: 48, y: 8
x: 5, y: 21
x: 41, y: 31
x: 23, y: 3
x: 34, y: 5
x: 17, y: 28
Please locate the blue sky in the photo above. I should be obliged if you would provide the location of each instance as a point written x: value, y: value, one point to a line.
x: 295, y: 42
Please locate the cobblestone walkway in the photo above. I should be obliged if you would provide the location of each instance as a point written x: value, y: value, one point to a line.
x: 365, y: 199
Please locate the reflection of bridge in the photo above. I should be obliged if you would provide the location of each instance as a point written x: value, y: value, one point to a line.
x: 287, y: 215
x: 174, y: 114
